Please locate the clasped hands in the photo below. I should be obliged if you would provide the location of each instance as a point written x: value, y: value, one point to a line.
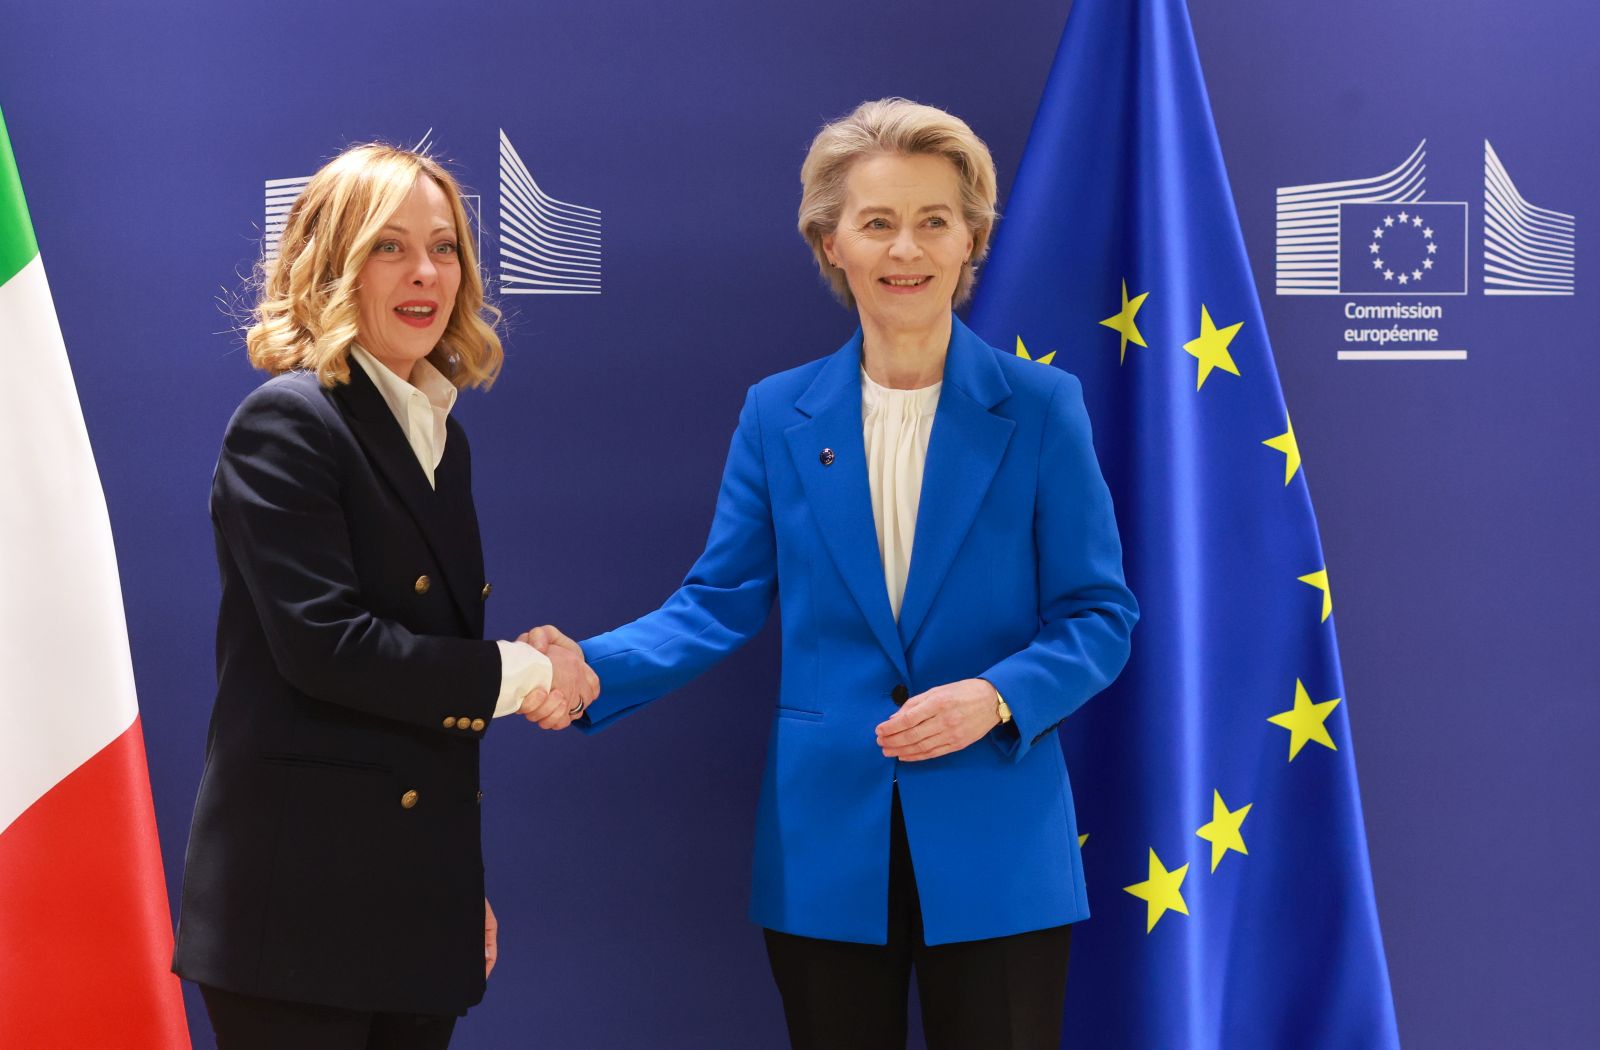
x: 573, y: 686
x: 946, y: 718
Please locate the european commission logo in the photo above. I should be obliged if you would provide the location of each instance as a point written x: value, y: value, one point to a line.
x: 1380, y: 236
x: 546, y: 246
x: 1418, y: 248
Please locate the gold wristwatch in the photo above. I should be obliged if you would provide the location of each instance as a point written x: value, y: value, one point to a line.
x: 1001, y: 708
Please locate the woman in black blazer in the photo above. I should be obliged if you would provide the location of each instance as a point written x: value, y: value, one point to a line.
x: 333, y: 891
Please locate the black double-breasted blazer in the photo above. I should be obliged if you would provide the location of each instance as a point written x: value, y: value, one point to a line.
x: 335, y: 854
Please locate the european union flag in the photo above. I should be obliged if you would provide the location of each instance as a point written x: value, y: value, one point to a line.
x: 1417, y: 248
x: 1225, y: 856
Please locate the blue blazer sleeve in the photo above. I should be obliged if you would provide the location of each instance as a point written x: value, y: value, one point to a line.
x: 1086, y: 611
x: 277, y: 501
x: 721, y: 604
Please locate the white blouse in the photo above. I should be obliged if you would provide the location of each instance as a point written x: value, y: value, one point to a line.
x: 896, y: 426
x: 420, y: 406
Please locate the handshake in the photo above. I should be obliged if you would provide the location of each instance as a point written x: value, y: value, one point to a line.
x: 573, y: 686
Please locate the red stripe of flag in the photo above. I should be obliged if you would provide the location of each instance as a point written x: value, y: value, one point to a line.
x: 85, y: 939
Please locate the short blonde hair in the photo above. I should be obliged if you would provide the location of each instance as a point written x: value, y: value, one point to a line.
x: 895, y: 125
x: 306, y: 315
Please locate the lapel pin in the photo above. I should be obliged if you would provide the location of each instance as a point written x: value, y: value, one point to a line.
x: 826, y: 457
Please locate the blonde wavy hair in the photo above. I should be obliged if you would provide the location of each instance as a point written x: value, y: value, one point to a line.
x: 895, y: 125
x: 306, y: 316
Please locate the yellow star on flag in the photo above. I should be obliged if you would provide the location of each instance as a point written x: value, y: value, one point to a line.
x: 1319, y: 580
x: 1123, y: 324
x: 1286, y: 444
x: 1082, y: 839
x: 1022, y: 352
x: 1305, y: 721
x: 1210, y: 347
x: 1223, y: 830
x: 1162, y: 892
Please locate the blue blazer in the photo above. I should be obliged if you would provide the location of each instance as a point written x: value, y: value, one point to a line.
x: 1016, y: 577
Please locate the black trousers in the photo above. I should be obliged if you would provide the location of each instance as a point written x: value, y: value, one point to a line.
x: 244, y: 1022
x: 1005, y: 993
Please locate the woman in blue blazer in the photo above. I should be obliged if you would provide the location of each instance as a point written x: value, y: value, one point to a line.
x: 930, y: 516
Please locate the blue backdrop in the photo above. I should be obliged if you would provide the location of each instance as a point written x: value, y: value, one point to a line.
x: 1457, y: 498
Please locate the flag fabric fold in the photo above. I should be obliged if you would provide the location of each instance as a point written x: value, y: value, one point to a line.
x: 1225, y: 855
x: 85, y: 931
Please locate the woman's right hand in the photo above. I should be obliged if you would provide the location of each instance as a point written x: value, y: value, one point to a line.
x: 573, y: 686
x: 542, y: 638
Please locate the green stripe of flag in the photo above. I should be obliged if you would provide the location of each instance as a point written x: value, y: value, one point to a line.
x: 17, y: 246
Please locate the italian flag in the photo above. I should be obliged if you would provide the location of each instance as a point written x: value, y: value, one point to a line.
x: 85, y: 933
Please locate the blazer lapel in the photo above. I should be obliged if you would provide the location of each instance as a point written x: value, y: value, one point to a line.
x: 964, y: 453
x: 438, y: 516
x: 837, y: 492
x: 457, y: 524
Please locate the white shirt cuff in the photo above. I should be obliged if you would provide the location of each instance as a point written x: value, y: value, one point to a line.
x: 522, y: 670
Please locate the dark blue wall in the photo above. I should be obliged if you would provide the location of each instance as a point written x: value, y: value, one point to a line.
x: 1458, y: 500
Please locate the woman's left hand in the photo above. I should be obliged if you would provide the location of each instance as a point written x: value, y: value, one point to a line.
x: 941, y: 720
x: 491, y: 939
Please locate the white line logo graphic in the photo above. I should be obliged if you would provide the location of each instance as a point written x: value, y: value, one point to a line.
x: 1308, y: 222
x: 280, y: 196
x: 547, y: 247
x: 1527, y: 250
